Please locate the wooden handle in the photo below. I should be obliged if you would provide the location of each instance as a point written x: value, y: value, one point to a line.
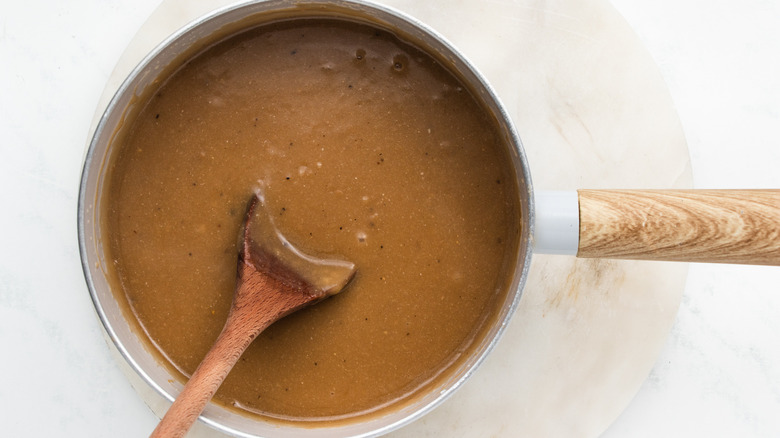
x: 712, y: 226
x: 260, y: 299
x: 204, y: 383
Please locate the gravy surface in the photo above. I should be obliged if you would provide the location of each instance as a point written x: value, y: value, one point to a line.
x: 367, y: 149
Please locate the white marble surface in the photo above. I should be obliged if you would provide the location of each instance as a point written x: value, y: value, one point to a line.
x: 718, y: 374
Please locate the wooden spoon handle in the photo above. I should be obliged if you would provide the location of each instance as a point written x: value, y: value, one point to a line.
x: 204, y: 382
x: 712, y: 226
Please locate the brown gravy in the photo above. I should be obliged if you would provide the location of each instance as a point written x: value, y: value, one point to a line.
x: 367, y: 149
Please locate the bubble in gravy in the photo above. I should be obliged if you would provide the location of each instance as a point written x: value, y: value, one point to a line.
x: 400, y: 63
x: 360, y: 54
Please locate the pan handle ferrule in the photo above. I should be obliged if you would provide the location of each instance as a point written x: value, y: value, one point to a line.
x: 557, y: 224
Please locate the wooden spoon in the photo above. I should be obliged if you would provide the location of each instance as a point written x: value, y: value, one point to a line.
x: 274, y: 280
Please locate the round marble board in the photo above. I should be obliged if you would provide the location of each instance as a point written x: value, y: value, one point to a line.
x: 593, y: 112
